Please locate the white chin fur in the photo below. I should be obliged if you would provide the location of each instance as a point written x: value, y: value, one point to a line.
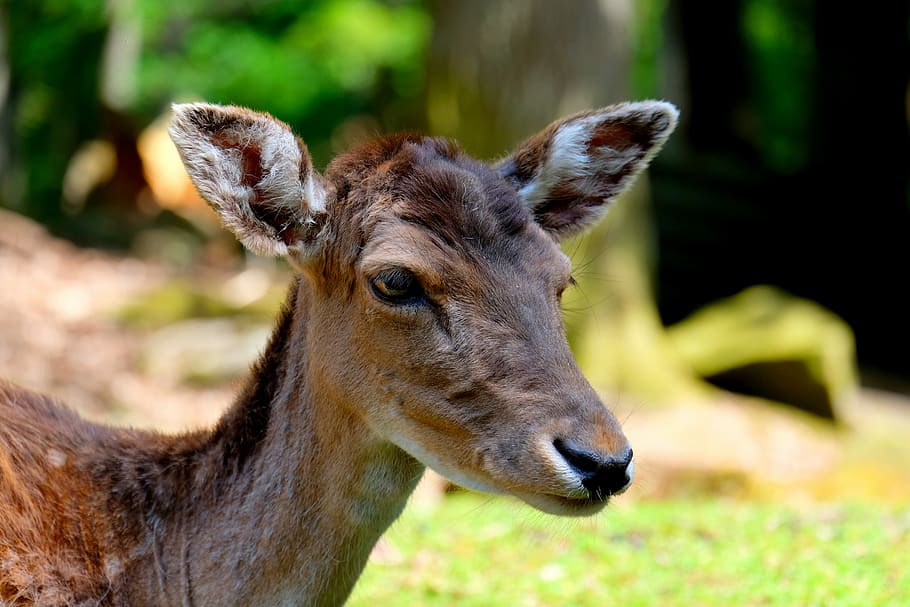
x: 456, y: 476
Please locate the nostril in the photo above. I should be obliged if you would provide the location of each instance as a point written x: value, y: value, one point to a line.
x: 578, y: 457
x: 628, y: 466
x: 602, y: 475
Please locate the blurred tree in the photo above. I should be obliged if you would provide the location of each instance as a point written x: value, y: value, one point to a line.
x: 740, y: 196
x: 499, y: 71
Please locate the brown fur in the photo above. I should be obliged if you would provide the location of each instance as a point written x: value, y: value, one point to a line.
x: 281, y: 502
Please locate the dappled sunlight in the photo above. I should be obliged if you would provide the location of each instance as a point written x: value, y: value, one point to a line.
x: 701, y: 551
x: 739, y: 340
x: 92, y: 164
x: 170, y: 186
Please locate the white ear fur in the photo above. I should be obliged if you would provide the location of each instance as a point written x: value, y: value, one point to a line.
x: 253, y: 171
x: 570, y: 172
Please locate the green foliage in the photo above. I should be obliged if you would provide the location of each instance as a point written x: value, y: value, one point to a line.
x: 52, y: 60
x: 479, y: 551
x: 647, y: 41
x: 780, y: 41
x: 313, y: 63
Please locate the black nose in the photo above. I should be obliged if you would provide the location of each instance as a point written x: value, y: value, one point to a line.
x: 602, y: 475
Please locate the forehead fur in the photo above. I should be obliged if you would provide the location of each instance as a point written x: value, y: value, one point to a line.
x: 430, y: 182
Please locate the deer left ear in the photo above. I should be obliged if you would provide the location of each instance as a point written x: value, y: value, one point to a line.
x: 570, y: 172
x: 255, y: 173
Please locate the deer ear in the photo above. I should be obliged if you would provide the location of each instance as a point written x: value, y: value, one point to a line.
x: 570, y: 172
x: 254, y: 172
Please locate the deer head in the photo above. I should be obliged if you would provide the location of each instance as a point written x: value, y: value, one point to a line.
x: 432, y: 285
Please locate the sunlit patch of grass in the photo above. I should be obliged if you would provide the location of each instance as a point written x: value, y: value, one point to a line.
x: 478, y: 551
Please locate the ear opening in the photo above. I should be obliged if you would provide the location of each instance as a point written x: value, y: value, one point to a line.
x: 570, y: 172
x: 255, y: 173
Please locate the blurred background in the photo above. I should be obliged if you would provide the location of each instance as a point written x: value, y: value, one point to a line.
x: 744, y: 309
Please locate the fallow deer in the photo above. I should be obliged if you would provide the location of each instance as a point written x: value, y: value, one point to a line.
x: 423, y: 329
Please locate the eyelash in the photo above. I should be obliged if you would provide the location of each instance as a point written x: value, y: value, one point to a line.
x: 398, y: 286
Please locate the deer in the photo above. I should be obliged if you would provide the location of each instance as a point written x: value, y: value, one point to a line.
x: 422, y: 328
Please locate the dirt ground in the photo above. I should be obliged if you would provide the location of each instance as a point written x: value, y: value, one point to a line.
x: 60, y: 334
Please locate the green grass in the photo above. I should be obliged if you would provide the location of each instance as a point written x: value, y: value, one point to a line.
x: 479, y: 551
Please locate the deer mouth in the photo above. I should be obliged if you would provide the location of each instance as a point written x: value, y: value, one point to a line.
x: 564, y: 506
x: 584, y: 479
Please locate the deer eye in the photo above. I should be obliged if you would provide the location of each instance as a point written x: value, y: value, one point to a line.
x: 397, y: 286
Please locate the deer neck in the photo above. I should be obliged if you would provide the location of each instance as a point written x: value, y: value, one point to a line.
x: 302, y: 489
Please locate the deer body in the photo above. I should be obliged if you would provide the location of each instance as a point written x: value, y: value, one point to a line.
x: 423, y: 329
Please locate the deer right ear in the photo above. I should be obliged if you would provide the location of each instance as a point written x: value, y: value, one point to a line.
x: 570, y: 172
x: 254, y: 172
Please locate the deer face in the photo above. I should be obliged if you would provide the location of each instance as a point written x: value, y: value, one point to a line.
x: 434, y: 284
